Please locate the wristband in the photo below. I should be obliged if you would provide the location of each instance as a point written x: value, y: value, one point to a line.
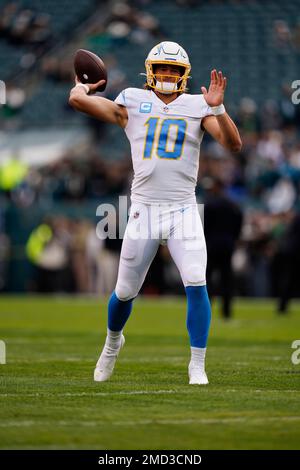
x: 218, y: 110
x: 86, y: 87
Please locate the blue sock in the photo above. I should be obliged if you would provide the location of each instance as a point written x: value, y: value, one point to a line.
x: 198, y: 315
x: 118, y: 312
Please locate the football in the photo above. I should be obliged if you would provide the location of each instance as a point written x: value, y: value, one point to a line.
x: 89, y: 68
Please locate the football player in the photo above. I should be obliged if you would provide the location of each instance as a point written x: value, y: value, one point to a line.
x: 165, y: 127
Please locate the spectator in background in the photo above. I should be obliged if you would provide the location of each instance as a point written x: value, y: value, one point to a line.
x: 270, y: 148
x: 26, y: 26
x: 48, y: 249
x: 7, y: 15
x: 288, y: 265
x: 20, y: 26
x: 108, y: 258
x: 93, y: 249
x: 12, y: 173
x: 270, y: 116
x: 257, y: 236
x: 289, y: 112
x: 39, y: 34
x: 127, y: 23
x: 58, y: 70
x: 79, y: 230
x: 222, y: 227
x: 247, y: 116
x: 10, y: 111
x: 282, y: 35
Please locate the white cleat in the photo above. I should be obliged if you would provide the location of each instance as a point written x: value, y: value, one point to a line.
x: 106, y: 362
x: 197, y: 375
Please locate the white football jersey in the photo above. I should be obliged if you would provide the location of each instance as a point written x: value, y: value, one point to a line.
x: 165, y: 144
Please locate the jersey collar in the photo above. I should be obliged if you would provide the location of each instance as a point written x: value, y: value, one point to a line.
x: 162, y: 103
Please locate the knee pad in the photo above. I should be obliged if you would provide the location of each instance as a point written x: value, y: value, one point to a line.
x: 124, y: 291
x: 194, y: 275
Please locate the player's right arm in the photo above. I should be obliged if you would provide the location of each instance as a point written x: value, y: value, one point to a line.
x: 97, y: 106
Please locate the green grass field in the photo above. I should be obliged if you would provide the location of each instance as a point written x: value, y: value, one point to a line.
x: 49, y: 400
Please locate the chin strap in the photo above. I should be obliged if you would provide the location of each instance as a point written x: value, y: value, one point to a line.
x: 165, y: 88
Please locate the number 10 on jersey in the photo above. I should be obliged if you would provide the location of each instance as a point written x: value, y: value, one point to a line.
x: 158, y: 141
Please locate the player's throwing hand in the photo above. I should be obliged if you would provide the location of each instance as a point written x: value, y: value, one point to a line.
x: 92, y: 86
x: 215, y: 94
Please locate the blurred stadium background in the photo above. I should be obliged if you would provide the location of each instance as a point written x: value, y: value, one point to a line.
x: 57, y: 166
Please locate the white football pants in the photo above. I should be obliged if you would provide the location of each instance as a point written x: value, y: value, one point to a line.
x: 179, y: 227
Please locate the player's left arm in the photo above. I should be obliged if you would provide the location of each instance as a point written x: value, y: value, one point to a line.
x: 221, y: 127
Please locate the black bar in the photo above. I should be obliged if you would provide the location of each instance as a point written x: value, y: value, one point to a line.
x: 134, y: 459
